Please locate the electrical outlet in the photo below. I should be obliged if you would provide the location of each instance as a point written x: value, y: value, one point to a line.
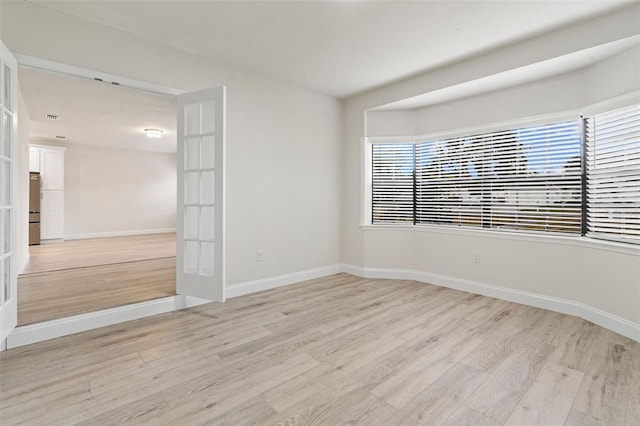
x: 475, y: 256
x: 260, y: 255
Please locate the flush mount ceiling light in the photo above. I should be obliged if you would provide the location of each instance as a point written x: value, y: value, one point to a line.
x: 153, y: 133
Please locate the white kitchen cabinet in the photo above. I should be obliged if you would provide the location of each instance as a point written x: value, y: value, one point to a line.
x: 52, y: 169
x: 49, y: 162
x: 34, y: 159
x: 52, y: 215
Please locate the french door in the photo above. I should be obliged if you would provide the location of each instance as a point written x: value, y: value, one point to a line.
x: 8, y: 164
x: 201, y: 136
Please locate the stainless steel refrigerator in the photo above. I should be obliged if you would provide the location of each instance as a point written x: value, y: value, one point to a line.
x: 34, y: 208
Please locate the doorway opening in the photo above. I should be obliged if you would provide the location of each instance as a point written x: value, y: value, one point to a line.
x: 108, y: 199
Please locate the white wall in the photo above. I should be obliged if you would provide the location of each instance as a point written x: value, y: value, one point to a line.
x: 116, y: 191
x: 566, y: 92
x: 609, y: 78
x: 596, y: 278
x: 391, y: 123
x: 22, y: 206
x: 283, y: 141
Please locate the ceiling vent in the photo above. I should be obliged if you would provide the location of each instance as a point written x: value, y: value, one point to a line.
x: 52, y: 117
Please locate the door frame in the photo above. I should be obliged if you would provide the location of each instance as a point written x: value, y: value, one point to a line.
x: 24, y: 335
x: 9, y: 290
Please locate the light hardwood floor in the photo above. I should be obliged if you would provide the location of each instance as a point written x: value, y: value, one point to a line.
x: 100, y: 251
x: 335, y: 350
x: 81, y: 276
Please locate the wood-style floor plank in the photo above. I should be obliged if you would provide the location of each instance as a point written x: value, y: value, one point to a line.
x: 549, y: 399
x: 100, y: 251
x: 59, y: 294
x: 81, y: 276
x: 334, y: 350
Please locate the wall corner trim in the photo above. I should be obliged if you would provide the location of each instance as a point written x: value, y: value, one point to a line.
x: 27, y: 259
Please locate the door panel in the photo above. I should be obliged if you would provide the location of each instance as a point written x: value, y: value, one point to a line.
x: 200, y: 269
x: 52, y: 169
x: 52, y: 215
x: 34, y: 160
x: 8, y: 132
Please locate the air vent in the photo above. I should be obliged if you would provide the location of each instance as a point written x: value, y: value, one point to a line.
x: 52, y: 117
x: 61, y: 137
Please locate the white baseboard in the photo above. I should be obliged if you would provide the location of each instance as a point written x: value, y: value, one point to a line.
x: 248, y: 287
x: 28, y: 334
x: 565, y: 306
x: 119, y: 233
x: 51, y: 329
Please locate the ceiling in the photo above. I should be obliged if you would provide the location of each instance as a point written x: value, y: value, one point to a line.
x: 339, y: 48
x: 96, y: 113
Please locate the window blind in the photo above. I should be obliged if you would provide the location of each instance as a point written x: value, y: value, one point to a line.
x: 613, y: 174
x: 392, y: 183
x: 526, y: 179
x: 518, y: 179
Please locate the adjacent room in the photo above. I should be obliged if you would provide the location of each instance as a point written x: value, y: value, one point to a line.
x: 102, y: 196
x: 357, y: 212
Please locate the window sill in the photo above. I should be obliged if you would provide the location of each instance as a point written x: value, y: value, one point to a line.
x: 577, y: 241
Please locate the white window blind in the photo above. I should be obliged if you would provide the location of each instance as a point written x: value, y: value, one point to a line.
x: 392, y: 183
x: 519, y: 179
x: 613, y: 175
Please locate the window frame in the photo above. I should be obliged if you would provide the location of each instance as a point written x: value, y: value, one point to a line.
x: 577, y: 114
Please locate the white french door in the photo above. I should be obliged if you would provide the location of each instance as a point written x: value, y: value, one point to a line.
x: 8, y: 164
x: 201, y: 136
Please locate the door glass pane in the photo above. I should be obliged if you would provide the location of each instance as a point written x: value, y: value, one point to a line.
x: 207, y: 259
x: 208, y: 116
x: 6, y: 231
x: 5, y: 187
x: 191, y: 223
x: 7, y: 88
x: 2, y: 232
x: 191, y: 154
x: 192, y: 119
x: 2, y: 137
x: 2, y: 282
x: 6, y: 272
x: 8, y: 127
x: 207, y: 222
x: 191, y: 257
x: 207, y: 190
x: 208, y: 149
x: 191, y: 188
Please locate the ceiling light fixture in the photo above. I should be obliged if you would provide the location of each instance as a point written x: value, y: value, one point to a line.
x: 153, y: 133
